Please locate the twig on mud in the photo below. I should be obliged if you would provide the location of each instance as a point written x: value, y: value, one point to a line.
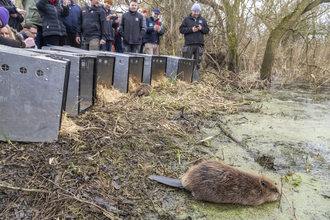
x: 153, y: 204
x: 128, y: 118
x: 206, y: 139
x: 314, y: 160
x: 24, y: 189
x: 240, y: 143
x: 290, y: 206
x: 105, y: 212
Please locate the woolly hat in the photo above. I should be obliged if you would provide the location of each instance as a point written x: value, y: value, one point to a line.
x: 196, y: 7
x: 109, y: 1
x: 4, y: 16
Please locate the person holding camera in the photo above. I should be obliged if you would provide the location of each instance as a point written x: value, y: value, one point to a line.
x: 194, y: 26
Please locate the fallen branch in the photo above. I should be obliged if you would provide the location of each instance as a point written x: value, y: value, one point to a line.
x: 24, y: 189
x: 227, y: 133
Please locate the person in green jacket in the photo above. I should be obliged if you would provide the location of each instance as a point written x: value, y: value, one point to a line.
x: 32, y: 16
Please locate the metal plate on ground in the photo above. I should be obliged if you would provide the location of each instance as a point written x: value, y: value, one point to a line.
x: 80, y: 97
x: 179, y: 68
x: 32, y: 95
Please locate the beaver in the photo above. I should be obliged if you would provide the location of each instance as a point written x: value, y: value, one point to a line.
x: 143, y: 90
x: 217, y: 182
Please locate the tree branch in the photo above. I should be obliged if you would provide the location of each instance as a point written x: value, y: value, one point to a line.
x: 314, y: 4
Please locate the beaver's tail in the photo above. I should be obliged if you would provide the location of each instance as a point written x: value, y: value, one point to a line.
x: 168, y: 181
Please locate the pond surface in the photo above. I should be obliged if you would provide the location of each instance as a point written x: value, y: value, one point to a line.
x: 292, y: 131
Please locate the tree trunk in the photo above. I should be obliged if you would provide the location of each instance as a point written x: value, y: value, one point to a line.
x: 231, y: 12
x: 276, y: 35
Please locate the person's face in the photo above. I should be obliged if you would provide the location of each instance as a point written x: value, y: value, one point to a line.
x: 140, y: 10
x: 4, y: 32
x: 155, y: 15
x: 195, y: 13
x: 133, y: 6
x: 95, y: 3
x: 32, y: 32
x: 107, y: 6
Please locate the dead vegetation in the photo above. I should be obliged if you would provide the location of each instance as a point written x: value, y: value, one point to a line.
x: 98, y: 168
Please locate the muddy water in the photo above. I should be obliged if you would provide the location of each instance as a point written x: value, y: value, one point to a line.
x: 292, y: 128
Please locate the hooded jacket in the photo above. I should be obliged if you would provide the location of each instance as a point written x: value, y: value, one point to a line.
x: 152, y: 36
x: 31, y: 15
x: 92, y: 23
x: 51, y: 16
x: 132, y: 27
x: 13, y: 22
x: 70, y: 21
x: 194, y: 37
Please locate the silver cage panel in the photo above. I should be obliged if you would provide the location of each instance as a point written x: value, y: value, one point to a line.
x: 154, y: 67
x: 32, y: 95
x: 179, y: 68
x: 81, y: 88
x: 124, y: 65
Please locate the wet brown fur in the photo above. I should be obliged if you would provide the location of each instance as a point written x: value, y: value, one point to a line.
x: 217, y: 182
x: 143, y: 90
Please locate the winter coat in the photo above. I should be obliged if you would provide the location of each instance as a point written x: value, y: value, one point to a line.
x: 11, y: 42
x: 132, y: 27
x: 92, y: 23
x: 152, y: 36
x: 71, y: 20
x: 31, y: 15
x: 51, y: 16
x: 13, y: 22
x: 194, y: 37
x: 110, y: 26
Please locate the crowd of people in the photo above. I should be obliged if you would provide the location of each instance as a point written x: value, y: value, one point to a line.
x: 95, y: 27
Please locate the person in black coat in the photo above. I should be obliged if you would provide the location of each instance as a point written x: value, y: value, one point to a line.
x: 15, y: 18
x: 132, y: 28
x: 194, y: 27
x: 92, y: 25
x: 51, y: 13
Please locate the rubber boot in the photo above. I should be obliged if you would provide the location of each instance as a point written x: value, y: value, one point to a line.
x: 195, y: 77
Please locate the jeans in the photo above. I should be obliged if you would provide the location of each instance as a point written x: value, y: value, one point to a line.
x: 107, y: 46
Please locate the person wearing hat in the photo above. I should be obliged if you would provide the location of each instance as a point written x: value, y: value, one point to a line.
x: 15, y: 18
x: 154, y: 31
x: 4, y: 17
x: 111, y: 26
x: 132, y: 28
x: 70, y: 23
x: 194, y: 27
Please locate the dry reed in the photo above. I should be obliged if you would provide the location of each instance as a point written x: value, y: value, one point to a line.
x: 68, y: 127
x: 106, y: 94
